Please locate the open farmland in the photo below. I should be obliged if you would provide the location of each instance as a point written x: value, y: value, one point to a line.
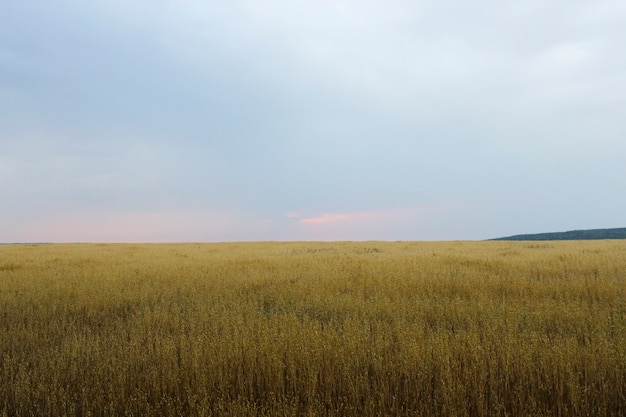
x: 318, y: 329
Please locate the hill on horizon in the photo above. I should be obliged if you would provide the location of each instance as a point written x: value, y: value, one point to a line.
x: 590, y: 234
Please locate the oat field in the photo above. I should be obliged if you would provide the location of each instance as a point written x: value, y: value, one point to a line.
x: 314, y: 329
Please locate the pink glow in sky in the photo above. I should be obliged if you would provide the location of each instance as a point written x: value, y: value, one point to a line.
x: 196, y: 226
x: 397, y: 223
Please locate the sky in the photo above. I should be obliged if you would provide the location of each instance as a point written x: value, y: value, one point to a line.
x: 189, y: 120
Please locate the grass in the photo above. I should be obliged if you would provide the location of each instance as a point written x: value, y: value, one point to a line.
x: 317, y: 329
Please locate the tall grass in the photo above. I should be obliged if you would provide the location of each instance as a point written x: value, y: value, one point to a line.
x: 318, y: 329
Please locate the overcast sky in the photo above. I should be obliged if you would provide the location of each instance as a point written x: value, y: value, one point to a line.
x: 196, y: 120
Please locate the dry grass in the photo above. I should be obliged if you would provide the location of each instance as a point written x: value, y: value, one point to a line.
x: 319, y: 329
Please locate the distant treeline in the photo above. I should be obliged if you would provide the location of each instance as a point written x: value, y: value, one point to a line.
x: 594, y: 234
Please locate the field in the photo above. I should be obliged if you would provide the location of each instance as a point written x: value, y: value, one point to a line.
x: 314, y: 329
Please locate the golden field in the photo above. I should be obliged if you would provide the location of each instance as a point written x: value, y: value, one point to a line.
x: 314, y: 329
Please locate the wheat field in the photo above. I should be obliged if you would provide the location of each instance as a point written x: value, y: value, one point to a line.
x: 314, y: 329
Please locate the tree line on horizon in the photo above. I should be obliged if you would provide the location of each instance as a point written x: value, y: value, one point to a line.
x: 591, y: 234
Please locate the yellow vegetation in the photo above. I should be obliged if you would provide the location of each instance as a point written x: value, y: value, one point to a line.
x: 318, y: 329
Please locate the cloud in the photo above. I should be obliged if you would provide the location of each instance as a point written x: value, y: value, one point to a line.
x: 331, y: 218
x: 414, y: 222
x: 293, y: 215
